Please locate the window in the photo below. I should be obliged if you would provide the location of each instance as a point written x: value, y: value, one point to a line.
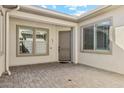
x: 41, y: 42
x: 96, y: 36
x: 32, y: 41
x: 25, y: 40
x: 88, y: 37
x: 102, y: 35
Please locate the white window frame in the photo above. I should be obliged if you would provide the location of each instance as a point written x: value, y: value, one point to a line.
x: 34, y: 41
x: 94, y: 49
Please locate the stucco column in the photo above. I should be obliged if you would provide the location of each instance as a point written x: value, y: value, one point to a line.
x: 1, y: 37
x: 2, y: 55
x: 75, y: 44
x: 7, y: 42
x: 6, y: 30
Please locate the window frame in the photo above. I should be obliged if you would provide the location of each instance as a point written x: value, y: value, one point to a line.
x: 95, y: 49
x: 34, y: 42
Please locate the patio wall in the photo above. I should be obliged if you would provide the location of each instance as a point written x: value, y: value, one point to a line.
x: 2, y: 57
x: 112, y: 62
x: 53, y: 46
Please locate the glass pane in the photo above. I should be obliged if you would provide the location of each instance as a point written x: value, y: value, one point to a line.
x: 41, y: 41
x: 25, y: 40
x: 88, y: 38
x: 102, y: 35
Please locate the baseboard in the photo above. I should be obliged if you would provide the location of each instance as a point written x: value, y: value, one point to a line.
x: 34, y: 64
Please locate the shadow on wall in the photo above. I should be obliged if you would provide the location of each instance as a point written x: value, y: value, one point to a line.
x: 118, y: 43
x: 119, y: 37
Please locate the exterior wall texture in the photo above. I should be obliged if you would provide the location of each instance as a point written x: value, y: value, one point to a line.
x: 112, y: 62
x: 53, y: 43
x: 2, y: 53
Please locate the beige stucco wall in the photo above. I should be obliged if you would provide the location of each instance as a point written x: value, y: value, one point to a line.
x: 112, y: 62
x: 2, y: 54
x: 53, y: 46
x: 2, y: 66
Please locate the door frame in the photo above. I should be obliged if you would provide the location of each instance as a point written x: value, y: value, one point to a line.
x: 71, y: 46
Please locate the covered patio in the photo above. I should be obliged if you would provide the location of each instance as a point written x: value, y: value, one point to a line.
x: 56, y: 75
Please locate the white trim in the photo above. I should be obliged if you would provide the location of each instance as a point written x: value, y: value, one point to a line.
x: 95, y: 38
x: 93, y: 11
x: 7, y: 58
x: 63, y: 15
x: 81, y: 38
x: 50, y: 12
x: 111, y: 34
x: 38, y: 18
x: 54, y: 14
x: 75, y: 44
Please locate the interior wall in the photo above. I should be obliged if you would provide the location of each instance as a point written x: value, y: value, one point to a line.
x: 53, y: 43
x: 112, y: 62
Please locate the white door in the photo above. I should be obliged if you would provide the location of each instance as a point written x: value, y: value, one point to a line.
x: 65, y: 46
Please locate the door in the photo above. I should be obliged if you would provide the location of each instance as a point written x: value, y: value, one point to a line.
x: 65, y: 46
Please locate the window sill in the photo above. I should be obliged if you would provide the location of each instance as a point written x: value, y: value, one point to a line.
x: 105, y: 52
x: 23, y: 55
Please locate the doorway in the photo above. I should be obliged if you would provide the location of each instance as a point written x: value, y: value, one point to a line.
x: 64, y: 46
